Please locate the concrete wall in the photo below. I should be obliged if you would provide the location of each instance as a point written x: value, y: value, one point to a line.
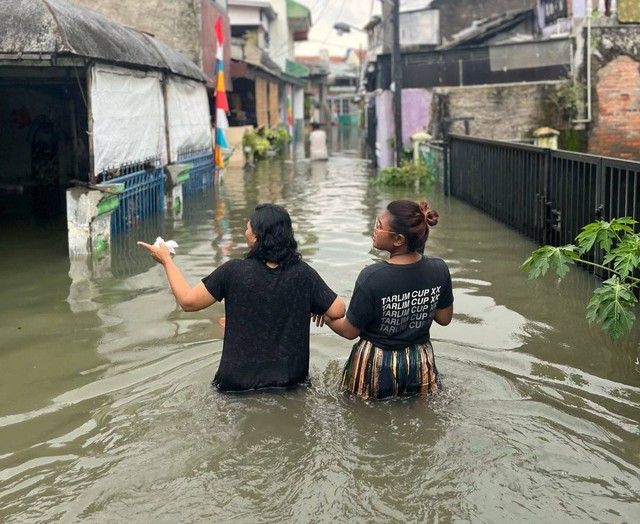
x: 385, y: 129
x: 504, y: 112
x: 280, y: 46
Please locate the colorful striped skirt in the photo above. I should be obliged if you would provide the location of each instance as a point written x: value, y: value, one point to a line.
x: 372, y: 372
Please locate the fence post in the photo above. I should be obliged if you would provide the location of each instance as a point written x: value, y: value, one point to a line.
x: 545, y: 203
x: 601, y: 212
x: 446, y: 144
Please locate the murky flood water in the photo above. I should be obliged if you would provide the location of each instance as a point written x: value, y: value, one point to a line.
x: 106, y: 414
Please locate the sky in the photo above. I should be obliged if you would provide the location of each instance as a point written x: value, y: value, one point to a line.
x: 325, y: 13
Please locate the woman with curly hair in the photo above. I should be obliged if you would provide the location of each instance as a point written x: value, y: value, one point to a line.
x: 269, y: 297
x: 393, y: 305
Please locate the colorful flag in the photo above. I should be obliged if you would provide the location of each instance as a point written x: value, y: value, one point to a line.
x: 222, y: 104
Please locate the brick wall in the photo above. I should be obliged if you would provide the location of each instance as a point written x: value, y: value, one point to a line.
x: 616, y: 130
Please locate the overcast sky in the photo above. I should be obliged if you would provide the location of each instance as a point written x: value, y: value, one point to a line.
x: 325, y: 13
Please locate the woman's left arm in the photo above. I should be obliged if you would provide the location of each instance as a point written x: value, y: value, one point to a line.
x: 342, y: 327
x: 444, y: 315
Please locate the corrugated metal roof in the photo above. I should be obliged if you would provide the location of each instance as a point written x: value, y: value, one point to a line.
x: 62, y: 28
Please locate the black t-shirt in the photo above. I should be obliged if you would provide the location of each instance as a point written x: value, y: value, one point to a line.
x: 266, y: 341
x: 394, y: 305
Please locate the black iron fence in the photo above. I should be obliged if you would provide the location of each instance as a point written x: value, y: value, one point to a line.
x: 142, y: 195
x: 548, y: 195
x: 202, y: 172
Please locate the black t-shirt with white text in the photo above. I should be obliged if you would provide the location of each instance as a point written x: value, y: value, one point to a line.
x: 266, y: 340
x: 394, y: 305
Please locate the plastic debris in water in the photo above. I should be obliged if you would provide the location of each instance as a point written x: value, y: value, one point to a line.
x: 171, y: 244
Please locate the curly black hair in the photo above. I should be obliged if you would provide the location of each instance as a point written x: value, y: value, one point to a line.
x: 271, y: 224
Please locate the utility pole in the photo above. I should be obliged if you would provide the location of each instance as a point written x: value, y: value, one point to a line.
x: 397, y: 79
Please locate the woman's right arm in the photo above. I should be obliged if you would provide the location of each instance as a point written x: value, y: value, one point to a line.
x: 189, y: 298
x: 336, y: 310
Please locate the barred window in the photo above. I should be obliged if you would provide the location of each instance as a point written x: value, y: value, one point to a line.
x: 554, y: 9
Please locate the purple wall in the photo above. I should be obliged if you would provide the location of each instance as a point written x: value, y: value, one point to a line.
x: 415, y: 113
x: 415, y: 117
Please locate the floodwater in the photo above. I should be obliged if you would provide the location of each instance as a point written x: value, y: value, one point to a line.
x: 106, y: 414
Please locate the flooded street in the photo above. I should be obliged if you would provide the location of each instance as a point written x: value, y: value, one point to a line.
x: 106, y: 413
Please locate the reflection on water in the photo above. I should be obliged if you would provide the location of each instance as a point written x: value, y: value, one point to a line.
x: 107, y: 415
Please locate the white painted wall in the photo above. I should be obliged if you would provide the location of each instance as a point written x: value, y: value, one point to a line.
x: 243, y: 15
x: 281, y: 46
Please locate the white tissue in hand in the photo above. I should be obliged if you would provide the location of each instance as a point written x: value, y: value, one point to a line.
x: 171, y: 244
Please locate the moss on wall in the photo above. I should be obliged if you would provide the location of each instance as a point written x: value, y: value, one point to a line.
x: 629, y: 11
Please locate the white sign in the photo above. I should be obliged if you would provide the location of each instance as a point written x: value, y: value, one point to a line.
x: 420, y: 27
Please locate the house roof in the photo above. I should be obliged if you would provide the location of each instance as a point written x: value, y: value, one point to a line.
x: 486, y: 28
x: 299, y: 20
x: 296, y: 69
x: 30, y: 28
x: 316, y: 59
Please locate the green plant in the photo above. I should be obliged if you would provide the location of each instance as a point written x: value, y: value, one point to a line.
x: 570, y: 140
x: 278, y: 137
x: 257, y: 144
x: 408, y: 174
x: 568, y: 99
x: 250, y: 37
x: 612, y: 304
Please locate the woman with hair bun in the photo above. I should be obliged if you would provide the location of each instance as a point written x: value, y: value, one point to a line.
x: 269, y: 297
x: 393, y: 305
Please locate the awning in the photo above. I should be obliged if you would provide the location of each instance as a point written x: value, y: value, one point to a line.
x: 32, y: 28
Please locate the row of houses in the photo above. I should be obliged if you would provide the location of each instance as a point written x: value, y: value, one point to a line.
x: 99, y: 95
x: 91, y: 90
x: 500, y: 69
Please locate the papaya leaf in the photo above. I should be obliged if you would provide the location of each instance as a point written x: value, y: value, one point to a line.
x: 556, y: 258
x: 623, y: 224
x: 625, y: 256
x: 611, y: 306
x: 613, y: 303
x: 600, y: 233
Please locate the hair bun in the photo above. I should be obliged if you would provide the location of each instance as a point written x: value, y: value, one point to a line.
x: 430, y: 215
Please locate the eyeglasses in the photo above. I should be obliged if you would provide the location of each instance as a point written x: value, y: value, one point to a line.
x: 377, y: 229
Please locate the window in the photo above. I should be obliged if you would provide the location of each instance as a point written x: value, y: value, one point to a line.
x: 342, y: 106
x: 554, y: 9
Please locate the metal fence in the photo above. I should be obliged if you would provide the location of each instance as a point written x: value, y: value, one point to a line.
x: 143, y: 194
x: 432, y: 155
x: 202, y: 172
x: 549, y: 195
